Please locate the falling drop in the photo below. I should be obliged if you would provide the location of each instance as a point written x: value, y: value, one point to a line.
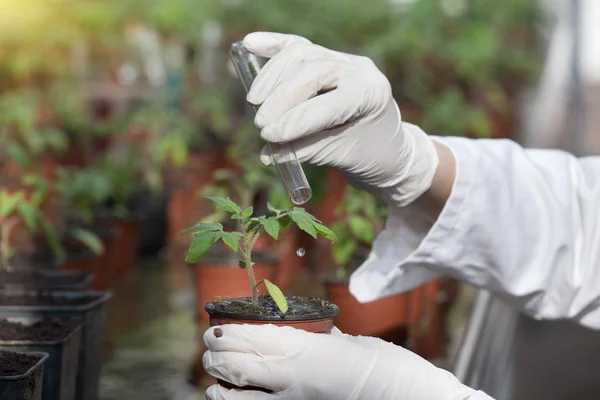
x: 300, y: 252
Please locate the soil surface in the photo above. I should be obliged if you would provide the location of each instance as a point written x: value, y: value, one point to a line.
x: 40, y: 331
x: 13, y: 364
x: 298, y: 308
x: 42, y: 299
x: 39, y: 279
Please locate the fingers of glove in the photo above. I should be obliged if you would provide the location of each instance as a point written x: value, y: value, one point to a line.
x: 218, y: 392
x: 315, y: 115
x: 265, y: 156
x: 254, y: 339
x: 310, y: 78
x: 323, y: 148
x: 268, y: 44
x: 281, y: 67
x: 243, y: 369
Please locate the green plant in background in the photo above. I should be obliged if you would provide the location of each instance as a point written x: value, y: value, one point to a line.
x: 24, y: 206
x: 243, y: 240
x: 359, y: 218
x: 23, y: 139
x: 82, y: 193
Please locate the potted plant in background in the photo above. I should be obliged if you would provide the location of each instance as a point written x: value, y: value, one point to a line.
x: 310, y: 314
x: 359, y: 218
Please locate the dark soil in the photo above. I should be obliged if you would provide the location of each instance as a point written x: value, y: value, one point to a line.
x: 39, y: 279
x: 45, y: 330
x: 42, y: 299
x: 14, y: 364
x: 300, y: 308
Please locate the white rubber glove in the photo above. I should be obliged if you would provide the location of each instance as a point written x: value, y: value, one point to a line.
x: 355, y: 127
x: 295, y: 364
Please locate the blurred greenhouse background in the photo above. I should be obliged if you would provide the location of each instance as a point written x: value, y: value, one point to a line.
x: 116, y: 116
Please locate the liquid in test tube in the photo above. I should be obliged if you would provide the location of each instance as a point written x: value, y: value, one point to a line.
x: 284, y: 157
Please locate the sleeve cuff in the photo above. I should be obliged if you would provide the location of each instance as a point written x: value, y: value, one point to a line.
x: 404, y: 250
x: 479, y: 395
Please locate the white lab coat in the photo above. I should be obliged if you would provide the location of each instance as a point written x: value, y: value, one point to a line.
x: 524, y: 224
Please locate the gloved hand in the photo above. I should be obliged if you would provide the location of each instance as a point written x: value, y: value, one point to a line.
x: 354, y: 126
x: 295, y: 364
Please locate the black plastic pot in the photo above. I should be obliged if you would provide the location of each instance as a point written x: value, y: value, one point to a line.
x: 60, y: 370
x: 27, y: 386
x: 93, y: 314
x: 47, y: 279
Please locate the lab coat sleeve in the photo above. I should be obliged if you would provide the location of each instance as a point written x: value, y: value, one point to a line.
x: 524, y: 224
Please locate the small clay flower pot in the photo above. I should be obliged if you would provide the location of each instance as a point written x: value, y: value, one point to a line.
x: 385, y: 318
x: 306, y: 313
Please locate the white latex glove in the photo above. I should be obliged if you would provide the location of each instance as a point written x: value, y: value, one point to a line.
x: 295, y: 364
x: 355, y: 127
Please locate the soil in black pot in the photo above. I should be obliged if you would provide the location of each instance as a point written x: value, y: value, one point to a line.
x: 45, y: 330
x: 14, y: 364
x: 42, y: 299
x: 299, y: 308
x: 38, y: 279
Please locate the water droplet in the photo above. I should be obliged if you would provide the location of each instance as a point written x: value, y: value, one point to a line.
x: 300, y: 252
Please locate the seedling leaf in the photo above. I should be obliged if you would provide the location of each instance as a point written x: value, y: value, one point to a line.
x: 200, y: 245
x: 300, y: 217
x: 247, y: 212
x: 325, y: 232
x: 225, y: 204
x: 271, y: 226
x: 277, y: 295
x: 9, y: 202
x: 232, y: 239
x: 204, y: 227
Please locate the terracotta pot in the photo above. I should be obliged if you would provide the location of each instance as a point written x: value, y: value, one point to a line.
x: 385, y: 318
x: 320, y: 323
x: 126, y: 242
x: 219, y: 276
x: 81, y: 261
x: 416, y: 306
x: 186, y: 206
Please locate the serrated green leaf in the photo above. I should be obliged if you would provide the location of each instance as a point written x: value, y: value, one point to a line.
x: 304, y: 222
x: 277, y: 295
x: 225, y: 204
x: 200, y: 245
x: 89, y: 239
x: 232, y: 239
x: 247, y: 213
x: 204, y: 227
x: 271, y: 226
x: 361, y: 228
x: 325, y: 232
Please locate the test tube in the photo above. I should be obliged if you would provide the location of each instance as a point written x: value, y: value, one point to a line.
x: 290, y: 170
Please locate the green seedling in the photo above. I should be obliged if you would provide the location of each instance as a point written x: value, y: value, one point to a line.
x: 243, y: 240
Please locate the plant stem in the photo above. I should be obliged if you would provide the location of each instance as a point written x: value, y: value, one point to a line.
x: 247, y: 259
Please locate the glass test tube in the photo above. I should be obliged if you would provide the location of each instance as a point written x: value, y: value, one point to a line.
x: 290, y: 170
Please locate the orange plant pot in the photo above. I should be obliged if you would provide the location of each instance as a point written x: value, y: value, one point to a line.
x: 385, y: 318
x: 126, y: 243
x: 220, y: 278
x: 224, y: 280
x: 322, y: 323
x: 186, y: 206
